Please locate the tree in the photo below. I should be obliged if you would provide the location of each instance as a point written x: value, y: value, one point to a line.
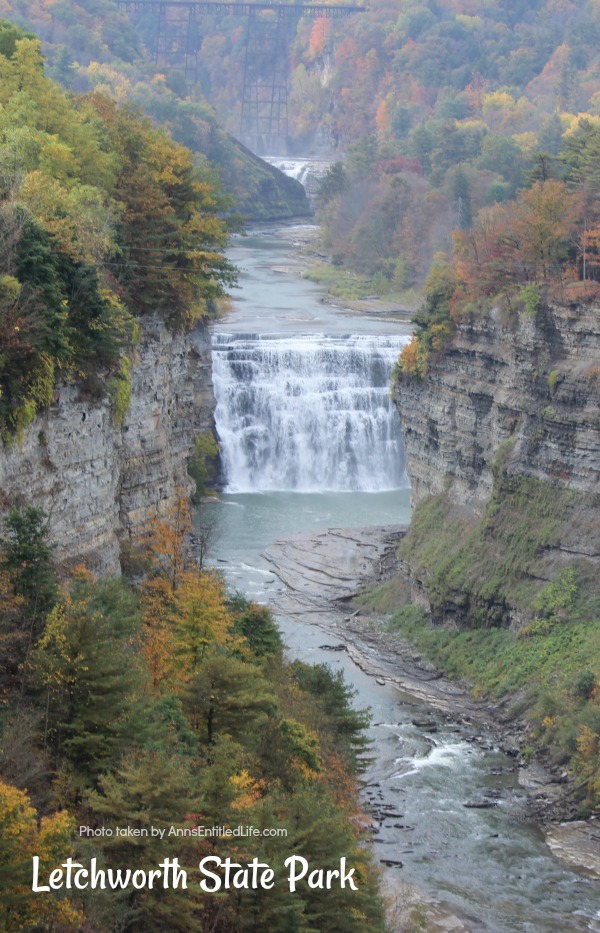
x: 322, y: 829
x: 168, y: 540
x: 30, y: 587
x: 333, y: 183
x: 22, y: 837
x: 255, y: 623
x: 227, y: 696
x: 543, y: 167
x: 150, y: 788
x: 543, y: 226
x: 200, y: 619
x: 172, y: 236
x: 487, y: 260
x: 87, y: 669
x: 158, y: 642
x: 501, y: 154
x: 10, y: 34
x: 518, y: 243
x: 461, y: 196
x: 581, y: 159
x: 346, y: 724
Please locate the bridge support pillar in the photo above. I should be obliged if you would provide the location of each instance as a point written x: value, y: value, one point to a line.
x: 178, y: 38
x: 264, y: 118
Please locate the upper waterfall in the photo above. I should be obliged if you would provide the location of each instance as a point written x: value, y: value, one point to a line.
x: 308, y: 171
x: 308, y: 413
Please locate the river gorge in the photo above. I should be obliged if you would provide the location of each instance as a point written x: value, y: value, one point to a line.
x: 310, y: 441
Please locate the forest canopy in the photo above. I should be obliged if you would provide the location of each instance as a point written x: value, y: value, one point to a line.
x: 439, y: 111
x: 167, y: 704
x: 103, y: 219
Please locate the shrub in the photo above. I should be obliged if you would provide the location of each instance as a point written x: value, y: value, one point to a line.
x: 199, y: 468
x: 530, y: 295
x: 120, y: 391
x: 585, y: 685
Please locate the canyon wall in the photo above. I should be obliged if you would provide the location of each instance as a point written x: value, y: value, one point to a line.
x: 531, y: 380
x: 99, y: 483
x: 502, y: 439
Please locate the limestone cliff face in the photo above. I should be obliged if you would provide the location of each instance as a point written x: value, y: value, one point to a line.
x: 99, y: 483
x: 535, y: 381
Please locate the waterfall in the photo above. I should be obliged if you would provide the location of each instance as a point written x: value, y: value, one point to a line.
x: 309, y: 172
x: 307, y: 413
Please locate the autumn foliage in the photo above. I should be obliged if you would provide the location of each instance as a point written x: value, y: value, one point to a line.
x: 167, y: 704
x: 102, y: 218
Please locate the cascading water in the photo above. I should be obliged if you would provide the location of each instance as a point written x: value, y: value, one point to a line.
x: 308, y: 413
x: 309, y: 172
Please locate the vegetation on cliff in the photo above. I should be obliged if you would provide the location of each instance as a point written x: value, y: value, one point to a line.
x: 102, y: 219
x: 543, y: 246
x: 496, y: 623
x: 509, y: 613
x: 167, y: 705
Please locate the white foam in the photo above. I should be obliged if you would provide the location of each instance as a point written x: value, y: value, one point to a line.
x: 308, y: 413
x: 440, y: 756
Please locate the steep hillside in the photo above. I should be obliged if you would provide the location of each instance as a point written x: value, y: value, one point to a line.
x: 92, y: 45
x: 439, y: 111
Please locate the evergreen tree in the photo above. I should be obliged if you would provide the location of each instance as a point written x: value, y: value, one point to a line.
x: 29, y: 590
x: 346, y: 724
x: 333, y: 183
x: 227, y: 696
x: 255, y: 623
x: 151, y: 789
x: 87, y: 668
x: 461, y: 196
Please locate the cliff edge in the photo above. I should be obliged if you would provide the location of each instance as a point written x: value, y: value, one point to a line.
x: 100, y: 483
x: 531, y: 380
x: 503, y: 444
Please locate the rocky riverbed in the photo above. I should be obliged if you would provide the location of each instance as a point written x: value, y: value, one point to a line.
x: 324, y: 572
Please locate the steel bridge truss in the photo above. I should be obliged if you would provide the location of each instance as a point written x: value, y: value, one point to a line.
x: 269, y: 30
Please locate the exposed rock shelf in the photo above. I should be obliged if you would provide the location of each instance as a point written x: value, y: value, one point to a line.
x: 322, y: 572
x: 333, y: 564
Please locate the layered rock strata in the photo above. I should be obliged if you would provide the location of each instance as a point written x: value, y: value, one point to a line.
x: 533, y: 381
x: 100, y: 483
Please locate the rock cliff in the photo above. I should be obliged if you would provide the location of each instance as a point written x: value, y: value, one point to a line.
x: 100, y: 483
x: 533, y: 380
x: 503, y: 448
x: 499, y: 569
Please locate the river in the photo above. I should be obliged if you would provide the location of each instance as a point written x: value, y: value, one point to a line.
x: 302, y: 406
